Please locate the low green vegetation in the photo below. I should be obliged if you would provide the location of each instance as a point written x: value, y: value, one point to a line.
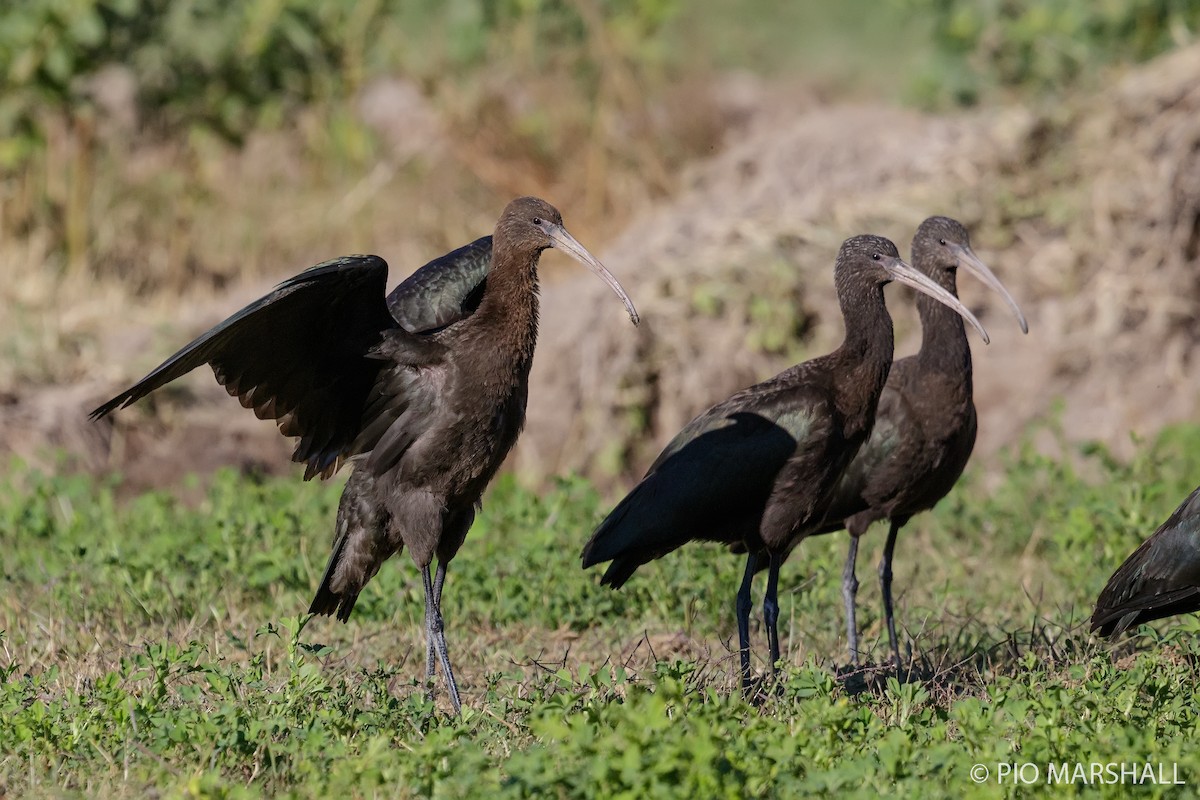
x: 573, y: 98
x: 979, y: 46
x: 506, y: 96
x: 148, y: 643
x: 234, y: 67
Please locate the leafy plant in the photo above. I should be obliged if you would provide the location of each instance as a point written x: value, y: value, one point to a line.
x: 152, y: 644
x: 1043, y: 45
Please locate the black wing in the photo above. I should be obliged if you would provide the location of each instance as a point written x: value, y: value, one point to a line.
x: 307, y: 356
x: 711, y: 482
x: 445, y: 290
x: 1160, y: 579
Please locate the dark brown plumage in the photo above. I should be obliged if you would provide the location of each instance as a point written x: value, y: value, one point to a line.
x: 427, y: 418
x: 1159, y: 579
x: 925, y: 424
x: 759, y: 468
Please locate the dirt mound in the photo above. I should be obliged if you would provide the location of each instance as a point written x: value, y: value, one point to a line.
x: 1089, y: 211
x: 1091, y: 215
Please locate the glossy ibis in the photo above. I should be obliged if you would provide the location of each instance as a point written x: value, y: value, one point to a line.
x: 924, y: 426
x: 759, y: 467
x: 1160, y: 579
x: 427, y: 418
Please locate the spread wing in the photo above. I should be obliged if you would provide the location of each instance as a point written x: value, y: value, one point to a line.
x: 310, y: 355
x: 711, y: 482
x: 1160, y: 579
x: 445, y: 290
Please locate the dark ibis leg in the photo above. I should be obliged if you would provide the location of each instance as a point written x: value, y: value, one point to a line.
x: 771, y: 607
x: 885, y: 580
x: 434, y: 631
x: 849, y: 591
x: 439, y: 579
x: 744, y: 604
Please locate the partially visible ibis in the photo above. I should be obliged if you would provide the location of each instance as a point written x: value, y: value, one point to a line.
x: 426, y: 401
x: 1160, y: 579
x: 759, y: 468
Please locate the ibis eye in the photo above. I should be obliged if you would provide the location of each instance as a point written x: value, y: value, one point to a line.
x: 942, y: 242
x: 538, y: 221
x: 874, y: 256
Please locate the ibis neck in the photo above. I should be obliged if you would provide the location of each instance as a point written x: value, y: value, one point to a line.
x: 507, y: 316
x: 865, y: 353
x: 944, y: 345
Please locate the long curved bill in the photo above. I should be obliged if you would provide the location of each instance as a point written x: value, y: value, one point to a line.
x: 902, y: 272
x: 567, y: 243
x: 967, y: 258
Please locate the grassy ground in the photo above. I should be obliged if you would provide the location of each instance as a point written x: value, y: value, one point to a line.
x: 154, y: 648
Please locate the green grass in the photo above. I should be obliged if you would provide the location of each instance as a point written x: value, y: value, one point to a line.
x: 149, y: 645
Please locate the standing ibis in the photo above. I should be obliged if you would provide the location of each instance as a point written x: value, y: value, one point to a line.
x: 759, y: 468
x: 924, y: 426
x: 1161, y: 578
x: 426, y: 415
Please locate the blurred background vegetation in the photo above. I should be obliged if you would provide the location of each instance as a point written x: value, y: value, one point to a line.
x: 153, y: 151
x: 599, y: 102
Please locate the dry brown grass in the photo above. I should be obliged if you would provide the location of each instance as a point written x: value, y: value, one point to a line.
x: 1087, y: 210
x: 114, y: 247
